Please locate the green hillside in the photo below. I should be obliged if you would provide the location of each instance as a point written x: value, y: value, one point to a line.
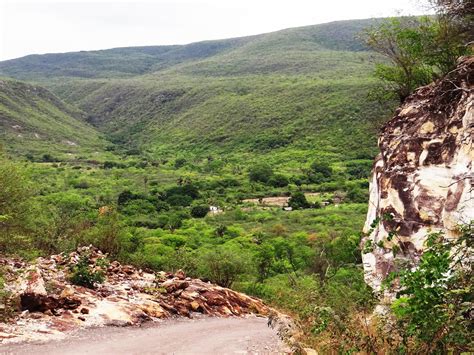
x: 284, y: 94
x: 34, y: 121
x: 126, y: 62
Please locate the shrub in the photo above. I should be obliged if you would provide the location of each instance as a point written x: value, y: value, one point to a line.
x: 82, y: 184
x: 298, y: 201
x: 175, y: 221
x: 199, y: 211
x: 321, y: 167
x: 359, y: 169
x: 186, y: 190
x: 179, y: 163
x: 357, y: 195
x: 278, y: 180
x: 435, y: 301
x: 82, y: 274
x: 260, y: 173
x: 139, y: 207
x: 179, y: 200
x: 125, y: 196
x: 419, y: 49
x: 48, y: 158
x: 113, y: 164
x: 161, y: 206
x: 15, y: 203
x: 223, y: 265
x: 7, y: 306
x: 107, y: 232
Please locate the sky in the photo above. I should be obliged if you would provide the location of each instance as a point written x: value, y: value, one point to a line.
x: 52, y: 26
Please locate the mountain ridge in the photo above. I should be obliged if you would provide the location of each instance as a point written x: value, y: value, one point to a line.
x: 159, y: 57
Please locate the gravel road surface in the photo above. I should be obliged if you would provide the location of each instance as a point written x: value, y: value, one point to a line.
x: 249, y: 335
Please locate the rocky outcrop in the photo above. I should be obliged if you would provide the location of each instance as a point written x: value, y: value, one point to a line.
x: 422, y: 180
x: 49, y: 305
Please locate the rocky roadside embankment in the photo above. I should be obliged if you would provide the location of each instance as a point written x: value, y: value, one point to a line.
x: 423, y: 178
x: 49, y: 305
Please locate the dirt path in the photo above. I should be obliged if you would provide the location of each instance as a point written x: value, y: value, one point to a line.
x: 279, y: 201
x: 249, y: 335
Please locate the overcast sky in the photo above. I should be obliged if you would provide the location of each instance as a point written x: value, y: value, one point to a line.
x: 31, y: 27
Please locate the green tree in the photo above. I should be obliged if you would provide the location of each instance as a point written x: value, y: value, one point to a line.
x: 319, y: 171
x: 260, y: 173
x: 224, y: 264
x: 15, y: 203
x: 199, y: 211
x: 298, y: 201
x: 418, y: 49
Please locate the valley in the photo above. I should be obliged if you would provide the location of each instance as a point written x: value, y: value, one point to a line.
x: 180, y: 129
x: 242, y: 162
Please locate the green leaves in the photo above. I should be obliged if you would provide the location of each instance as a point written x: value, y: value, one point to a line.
x: 419, y: 49
x: 433, y: 299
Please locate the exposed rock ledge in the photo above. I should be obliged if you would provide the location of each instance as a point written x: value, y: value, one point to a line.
x: 51, y: 306
x: 423, y: 177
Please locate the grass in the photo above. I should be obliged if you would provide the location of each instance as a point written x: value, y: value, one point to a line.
x: 34, y: 121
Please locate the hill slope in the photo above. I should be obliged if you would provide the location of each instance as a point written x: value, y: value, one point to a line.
x: 131, y: 61
x: 34, y: 121
x: 285, y: 93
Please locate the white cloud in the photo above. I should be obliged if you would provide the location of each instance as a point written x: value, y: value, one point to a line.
x: 28, y: 27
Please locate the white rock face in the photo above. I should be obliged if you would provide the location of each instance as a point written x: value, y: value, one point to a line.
x: 422, y: 180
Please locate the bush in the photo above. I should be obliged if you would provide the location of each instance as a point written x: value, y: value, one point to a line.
x: 199, y: 211
x: 435, y: 301
x: 82, y: 274
x: 223, y: 265
x: 359, y: 169
x: 278, y: 180
x: 15, y: 203
x: 161, y: 206
x: 7, y: 306
x: 186, y: 190
x: 113, y: 164
x: 179, y: 200
x: 298, y: 201
x: 260, y: 173
x: 179, y: 163
x: 321, y: 167
x: 48, y: 158
x: 125, y: 196
x: 358, y: 195
x: 82, y: 184
x: 106, y: 233
x: 420, y: 49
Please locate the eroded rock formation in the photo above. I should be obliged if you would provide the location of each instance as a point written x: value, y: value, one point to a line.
x: 49, y: 305
x: 423, y: 177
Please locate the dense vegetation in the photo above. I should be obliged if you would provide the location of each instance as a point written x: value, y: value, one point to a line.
x: 420, y: 50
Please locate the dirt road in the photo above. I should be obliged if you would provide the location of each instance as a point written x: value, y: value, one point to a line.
x: 196, y: 336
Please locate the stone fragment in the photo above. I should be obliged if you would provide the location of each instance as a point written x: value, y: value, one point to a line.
x: 180, y: 274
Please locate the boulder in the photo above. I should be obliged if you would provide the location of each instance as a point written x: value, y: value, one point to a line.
x: 422, y: 180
